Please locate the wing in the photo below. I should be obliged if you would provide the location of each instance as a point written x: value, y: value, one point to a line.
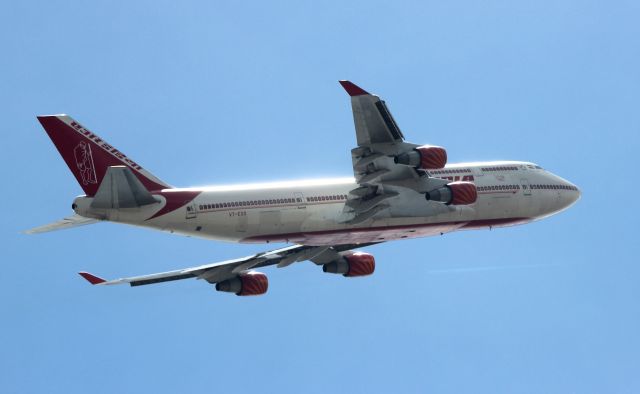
x: 374, y: 123
x: 70, y: 222
x: 228, y: 270
x: 375, y: 165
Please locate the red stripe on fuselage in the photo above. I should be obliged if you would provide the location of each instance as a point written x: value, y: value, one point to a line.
x: 175, y: 200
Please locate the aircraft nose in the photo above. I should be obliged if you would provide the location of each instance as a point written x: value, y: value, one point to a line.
x: 570, y: 195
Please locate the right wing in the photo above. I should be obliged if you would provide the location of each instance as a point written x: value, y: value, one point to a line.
x: 227, y: 270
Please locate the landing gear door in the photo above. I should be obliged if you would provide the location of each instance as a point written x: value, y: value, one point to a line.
x: 191, y: 210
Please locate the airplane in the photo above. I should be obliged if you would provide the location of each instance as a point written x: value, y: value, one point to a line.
x: 399, y: 190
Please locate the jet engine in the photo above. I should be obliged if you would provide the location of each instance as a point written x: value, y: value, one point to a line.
x: 245, y: 284
x: 424, y: 158
x: 355, y: 264
x: 454, y: 193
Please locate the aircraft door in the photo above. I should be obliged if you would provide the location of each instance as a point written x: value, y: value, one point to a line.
x: 526, y: 187
x: 299, y: 200
x: 191, y: 211
x: 476, y: 171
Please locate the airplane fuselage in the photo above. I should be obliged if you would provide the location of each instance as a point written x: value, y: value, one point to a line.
x: 399, y: 190
x: 313, y: 212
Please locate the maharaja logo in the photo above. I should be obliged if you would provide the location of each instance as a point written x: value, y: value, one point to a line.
x: 84, y: 161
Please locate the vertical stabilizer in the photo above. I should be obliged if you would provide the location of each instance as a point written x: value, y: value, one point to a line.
x: 89, y: 156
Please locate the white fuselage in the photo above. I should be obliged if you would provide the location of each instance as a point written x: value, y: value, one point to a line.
x: 313, y: 212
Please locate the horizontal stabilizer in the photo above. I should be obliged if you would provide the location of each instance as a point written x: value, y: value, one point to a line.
x: 70, y: 222
x: 120, y: 188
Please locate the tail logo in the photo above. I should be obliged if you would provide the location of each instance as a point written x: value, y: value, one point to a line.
x: 84, y: 161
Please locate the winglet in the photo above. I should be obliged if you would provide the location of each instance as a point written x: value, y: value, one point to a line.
x: 353, y: 89
x: 94, y: 280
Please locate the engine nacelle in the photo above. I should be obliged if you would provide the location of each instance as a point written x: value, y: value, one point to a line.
x: 355, y: 264
x: 246, y: 284
x: 424, y: 158
x: 454, y: 193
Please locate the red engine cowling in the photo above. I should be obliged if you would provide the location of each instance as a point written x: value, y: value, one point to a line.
x: 253, y: 283
x: 462, y: 193
x: 246, y: 284
x: 432, y: 157
x: 360, y: 264
x: 354, y: 264
x: 454, y: 193
x: 424, y: 158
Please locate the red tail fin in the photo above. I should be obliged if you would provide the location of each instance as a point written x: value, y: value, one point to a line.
x: 88, y: 156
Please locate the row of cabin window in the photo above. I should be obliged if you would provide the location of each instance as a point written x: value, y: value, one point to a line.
x: 509, y: 168
x: 498, y: 187
x: 327, y: 198
x: 248, y: 203
x: 554, y: 187
x: 452, y: 171
x: 538, y: 187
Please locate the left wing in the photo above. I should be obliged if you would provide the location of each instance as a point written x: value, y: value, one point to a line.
x: 230, y: 272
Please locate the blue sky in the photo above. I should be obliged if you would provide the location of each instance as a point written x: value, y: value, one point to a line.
x: 228, y: 92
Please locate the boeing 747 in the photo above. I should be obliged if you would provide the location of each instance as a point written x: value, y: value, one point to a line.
x: 399, y: 190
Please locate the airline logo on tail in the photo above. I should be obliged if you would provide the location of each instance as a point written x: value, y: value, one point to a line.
x: 103, y: 144
x: 84, y: 161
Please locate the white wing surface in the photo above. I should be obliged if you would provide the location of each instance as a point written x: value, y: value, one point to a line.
x: 221, y: 271
x: 69, y: 222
